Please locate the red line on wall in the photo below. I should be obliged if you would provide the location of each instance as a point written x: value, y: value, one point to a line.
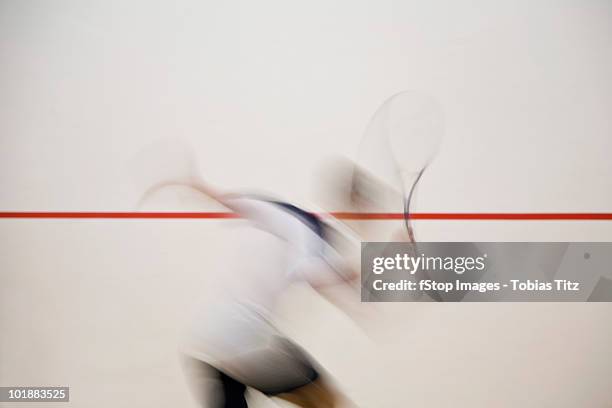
x: 341, y: 215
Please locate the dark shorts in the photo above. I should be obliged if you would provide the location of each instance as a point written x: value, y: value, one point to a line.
x: 282, y: 367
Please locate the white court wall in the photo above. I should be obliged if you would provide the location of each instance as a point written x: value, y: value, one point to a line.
x: 264, y: 90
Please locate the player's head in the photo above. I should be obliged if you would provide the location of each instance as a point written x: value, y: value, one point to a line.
x: 344, y: 186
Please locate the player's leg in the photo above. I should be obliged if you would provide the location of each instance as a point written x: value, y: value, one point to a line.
x: 233, y: 392
x: 210, y: 387
x: 284, y: 370
x: 317, y: 394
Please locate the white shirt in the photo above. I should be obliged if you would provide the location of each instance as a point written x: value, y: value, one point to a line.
x: 273, y: 249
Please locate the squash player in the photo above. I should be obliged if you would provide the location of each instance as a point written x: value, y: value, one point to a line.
x: 232, y: 344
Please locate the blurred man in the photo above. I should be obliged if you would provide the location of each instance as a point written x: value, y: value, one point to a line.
x: 232, y: 344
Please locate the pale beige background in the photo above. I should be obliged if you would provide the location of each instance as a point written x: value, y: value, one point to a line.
x: 263, y: 91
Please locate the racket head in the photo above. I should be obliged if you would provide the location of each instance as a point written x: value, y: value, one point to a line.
x: 400, y: 141
x: 414, y: 126
x: 402, y: 138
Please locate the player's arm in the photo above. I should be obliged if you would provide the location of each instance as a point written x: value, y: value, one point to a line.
x: 198, y: 185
